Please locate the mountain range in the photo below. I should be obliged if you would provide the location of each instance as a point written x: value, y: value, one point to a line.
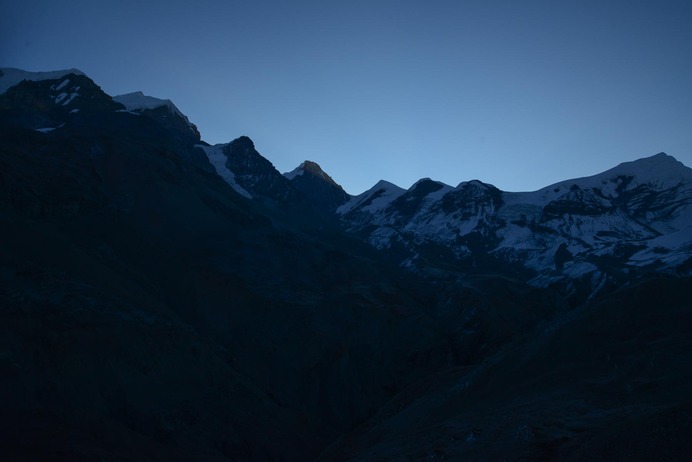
x: 166, y: 299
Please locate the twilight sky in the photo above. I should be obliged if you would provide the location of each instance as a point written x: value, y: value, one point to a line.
x: 520, y: 94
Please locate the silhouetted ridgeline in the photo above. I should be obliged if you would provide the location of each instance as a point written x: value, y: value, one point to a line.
x: 163, y: 299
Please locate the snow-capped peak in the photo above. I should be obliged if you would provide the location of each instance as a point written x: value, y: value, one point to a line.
x: 386, y: 185
x: 661, y: 171
x: 375, y: 198
x: 138, y: 101
x: 9, y: 76
x: 659, y: 166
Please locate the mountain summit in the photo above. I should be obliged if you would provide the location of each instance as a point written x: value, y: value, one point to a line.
x: 323, y: 191
x: 311, y: 168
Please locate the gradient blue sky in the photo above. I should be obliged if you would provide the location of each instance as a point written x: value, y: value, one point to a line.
x: 519, y: 94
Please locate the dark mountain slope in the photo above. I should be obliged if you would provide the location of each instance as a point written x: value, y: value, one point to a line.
x: 145, y: 300
x: 609, y: 381
x: 100, y: 319
x: 155, y: 308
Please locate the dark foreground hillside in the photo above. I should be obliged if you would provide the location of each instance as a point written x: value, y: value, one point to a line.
x: 608, y: 381
x: 144, y: 301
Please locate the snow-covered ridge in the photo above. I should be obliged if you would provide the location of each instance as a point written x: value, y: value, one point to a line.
x: 662, y: 169
x: 48, y: 129
x: 374, y: 199
x: 138, y: 101
x: 9, y: 76
x: 637, y: 214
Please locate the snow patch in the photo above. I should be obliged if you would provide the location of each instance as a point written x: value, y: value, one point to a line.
x: 218, y: 159
x: 70, y: 98
x: 49, y: 129
x: 58, y: 99
x: 64, y: 98
x: 60, y: 86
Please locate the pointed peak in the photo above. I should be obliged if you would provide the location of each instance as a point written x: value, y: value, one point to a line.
x: 243, y: 142
x: 312, y: 169
x: 376, y: 198
x: 427, y: 180
x: 386, y: 185
x: 383, y: 186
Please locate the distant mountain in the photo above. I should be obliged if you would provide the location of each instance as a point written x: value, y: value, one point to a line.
x: 164, y: 299
x: 636, y: 217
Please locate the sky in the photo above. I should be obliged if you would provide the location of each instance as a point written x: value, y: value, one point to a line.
x: 519, y: 94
